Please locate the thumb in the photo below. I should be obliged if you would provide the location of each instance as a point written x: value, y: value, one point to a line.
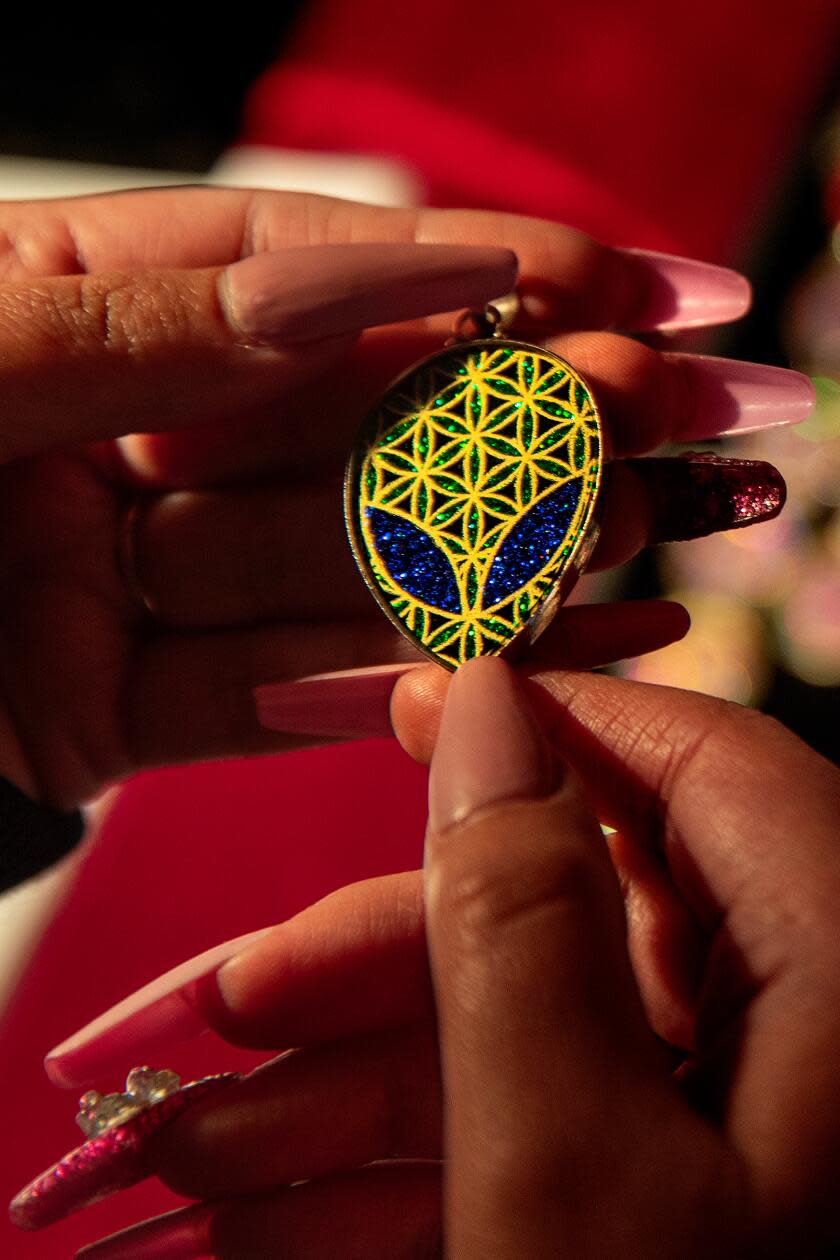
x: 86, y: 357
x: 551, y: 1074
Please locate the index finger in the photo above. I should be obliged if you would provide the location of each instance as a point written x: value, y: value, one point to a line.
x: 685, y: 771
x: 568, y: 280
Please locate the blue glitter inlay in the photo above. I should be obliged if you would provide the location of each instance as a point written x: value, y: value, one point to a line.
x: 414, y: 560
x: 532, y: 542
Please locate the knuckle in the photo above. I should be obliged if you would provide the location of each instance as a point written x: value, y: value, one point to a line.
x: 124, y: 316
x: 487, y: 896
x: 524, y: 1177
x: 717, y: 739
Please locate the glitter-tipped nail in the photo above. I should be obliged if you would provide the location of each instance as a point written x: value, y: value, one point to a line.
x: 698, y: 494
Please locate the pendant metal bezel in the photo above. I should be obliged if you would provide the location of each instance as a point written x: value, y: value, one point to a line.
x: 577, y: 560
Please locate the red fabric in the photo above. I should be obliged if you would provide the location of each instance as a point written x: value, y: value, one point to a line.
x: 660, y: 125
x: 646, y: 123
x: 185, y: 859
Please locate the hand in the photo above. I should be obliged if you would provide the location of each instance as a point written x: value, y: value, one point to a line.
x: 143, y: 364
x: 563, y: 1125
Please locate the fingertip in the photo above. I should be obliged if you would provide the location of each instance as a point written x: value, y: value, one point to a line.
x: 490, y: 748
x: 416, y: 707
x: 671, y: 618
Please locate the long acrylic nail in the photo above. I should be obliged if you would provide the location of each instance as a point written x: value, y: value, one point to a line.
x: 319, y: 291
x: 184, y: 1234
x: 726, y: 396
x: 698, y: 494
x: 347, y: 704
x: 489, y: 748
x: 167, y: 1010
x: 668, y: 293
x: 110, y: 1161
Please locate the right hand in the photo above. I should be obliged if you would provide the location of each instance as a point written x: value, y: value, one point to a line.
x: 726, y: 853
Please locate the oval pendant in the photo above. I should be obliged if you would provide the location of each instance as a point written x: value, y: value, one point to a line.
x: 471, y: 494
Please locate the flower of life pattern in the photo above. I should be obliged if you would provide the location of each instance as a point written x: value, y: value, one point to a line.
x: 478, y: 479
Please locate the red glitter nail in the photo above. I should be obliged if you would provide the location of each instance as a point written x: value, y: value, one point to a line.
x: 697, y: 494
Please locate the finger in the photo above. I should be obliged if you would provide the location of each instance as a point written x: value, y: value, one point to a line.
x: 237, y: 557
x: 569, y: 279
x: 221, y: 558
x: 353, y: 963
x: 645, y: 397
x: 590, y: 634
x: 603, y: 726
x: 710, y: 764
x: 217, y: 558
x: 650, y: 501
x: 648, y: 397
x: 518, y: 887
x: 87, y: 357
x: 689, y: 775
x: 391, y: 1212
x: 710, y: 770
x: 356, y: 703
x: 191, y: 695
x: 668, y: 946
x: 593, y: 635
x: 310, y: 1113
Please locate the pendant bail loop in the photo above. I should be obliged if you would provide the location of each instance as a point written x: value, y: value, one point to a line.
x: 495, y: 320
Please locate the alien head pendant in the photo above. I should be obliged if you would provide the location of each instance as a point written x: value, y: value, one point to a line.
x: 471, y: 496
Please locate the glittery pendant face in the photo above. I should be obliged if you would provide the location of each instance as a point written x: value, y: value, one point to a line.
x: 471, y: 493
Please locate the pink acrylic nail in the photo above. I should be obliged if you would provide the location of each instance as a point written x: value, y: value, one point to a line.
x: 112, y: 1160
x: 347, y: 704
x: 726, y: 397
x: 489, y: 747
x: 167, y: 1010
x: 675, y: 293
x: 318, y: 291
x: 184, y: 1234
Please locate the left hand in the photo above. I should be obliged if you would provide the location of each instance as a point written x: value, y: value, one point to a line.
x: 126, y: 377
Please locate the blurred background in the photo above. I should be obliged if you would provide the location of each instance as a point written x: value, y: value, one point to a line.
x: 709, y: 129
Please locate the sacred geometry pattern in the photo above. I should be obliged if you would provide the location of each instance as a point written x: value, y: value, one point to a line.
x: 470, y: 493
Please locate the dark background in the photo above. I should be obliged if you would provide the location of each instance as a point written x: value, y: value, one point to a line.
x: 169, y: 100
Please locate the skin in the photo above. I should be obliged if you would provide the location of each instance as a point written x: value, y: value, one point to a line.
x: 561, y: 980
x: 120, y: 375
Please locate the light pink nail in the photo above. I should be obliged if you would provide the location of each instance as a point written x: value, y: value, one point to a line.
x: 319, y: 291
x: 166, y: 1010
x: 347, y: 704
x: 684, y: 292
x: 489, y: 748
x: 180, y: 1235
x: 729, y: 397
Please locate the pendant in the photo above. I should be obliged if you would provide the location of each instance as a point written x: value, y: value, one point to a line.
x: 471, y: 494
